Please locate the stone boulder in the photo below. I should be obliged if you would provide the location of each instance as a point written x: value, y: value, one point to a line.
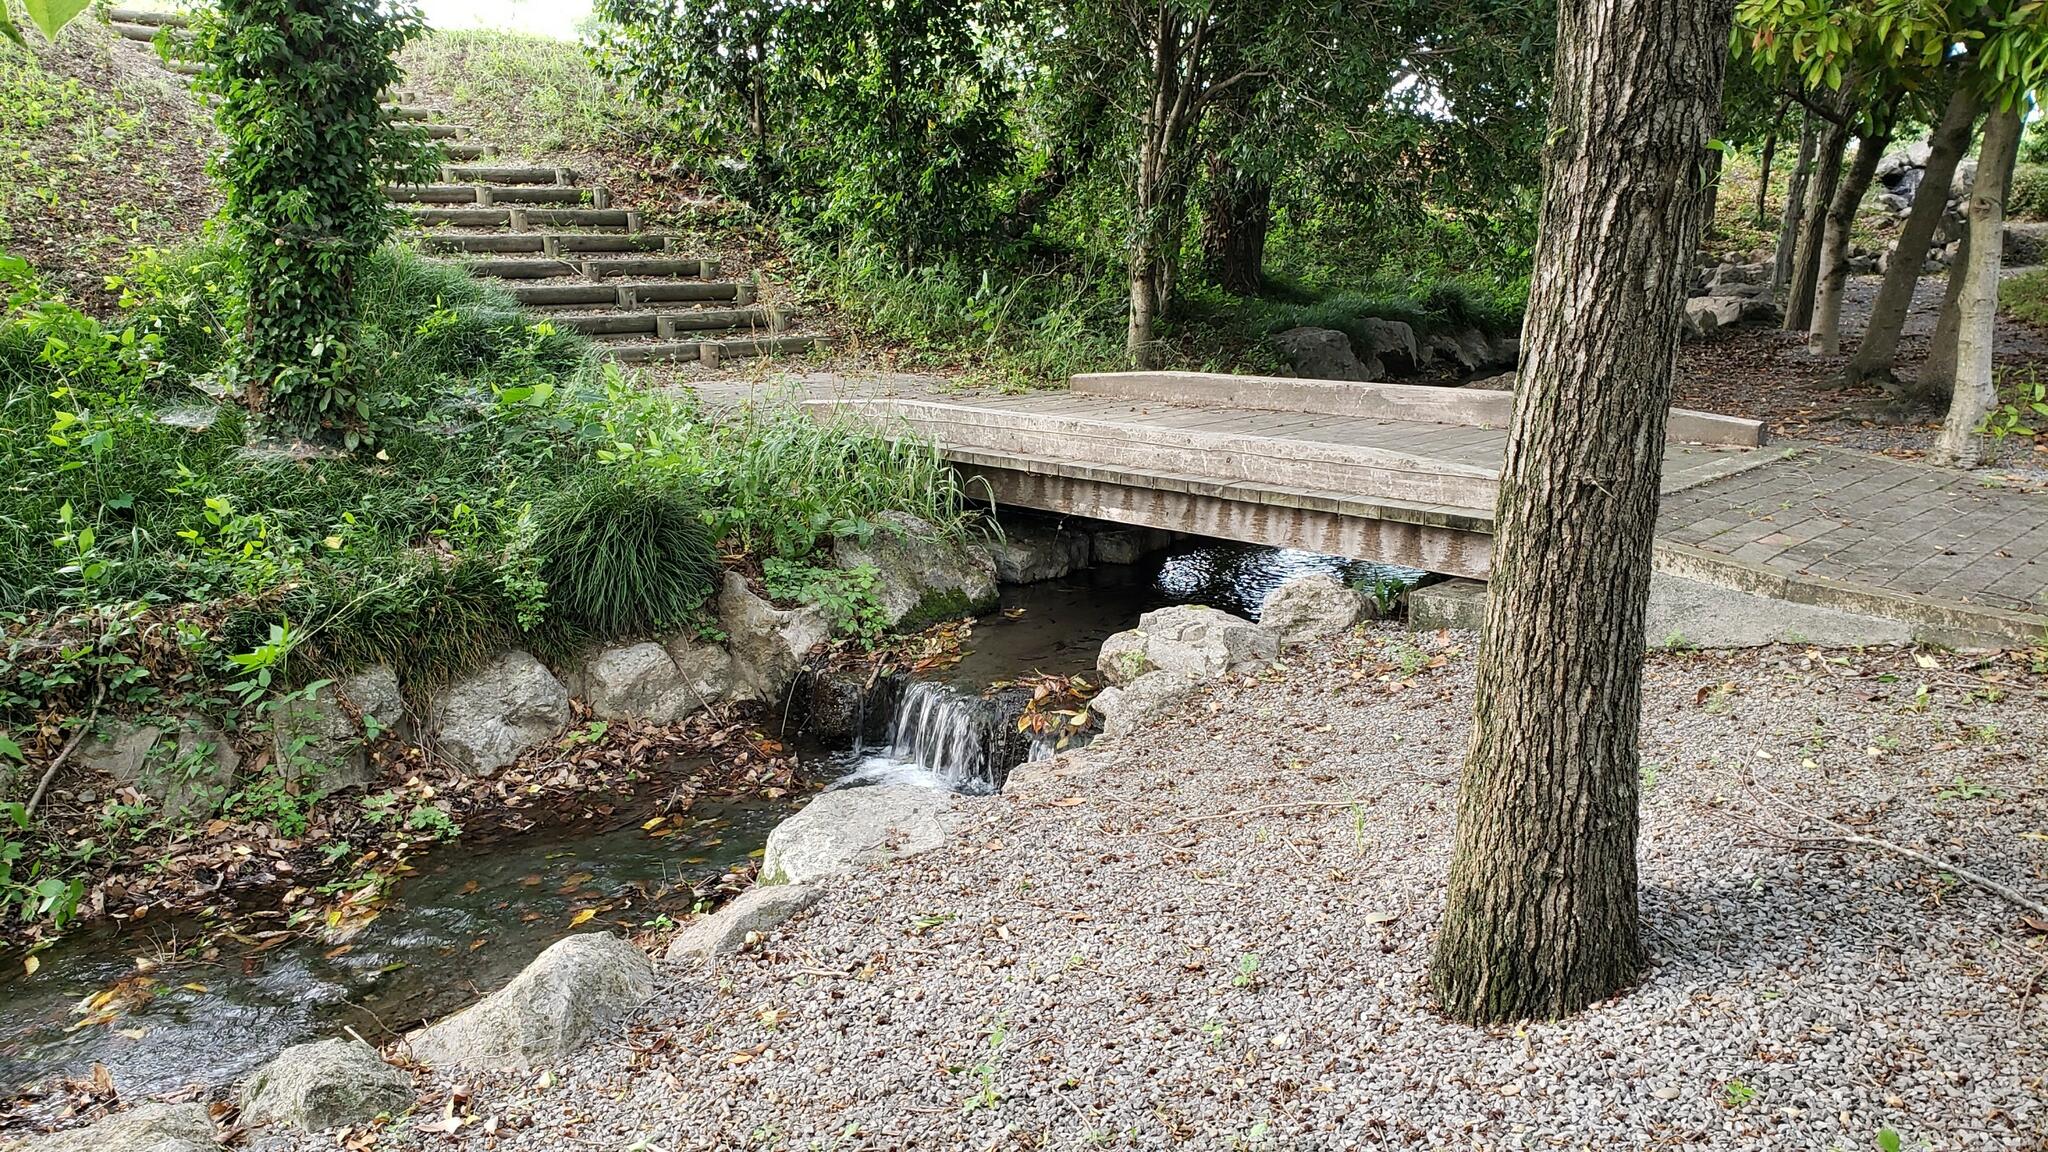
x: 327, y: 1084
x: 581, y: 987
x: 647, y: 681
x: 318, y: 738
x: 1324, y: 354
x: 923, y: 576
x: 755, y: 911
x: 1465, y: 349
x: 185, y: 777
x: 1142, y: 702
x: 1389, y: 342
x: 486, y: 720
x: 2025, y: 244
x: 1499, y: 382
x: 1032, y: 551
x: 1310, y: 607
x: 850, y: 828
x: 769, y: 644
x: 1201, y: 642
x: 149, y: 1128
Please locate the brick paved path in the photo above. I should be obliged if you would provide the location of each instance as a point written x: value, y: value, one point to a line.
x: 1873, y: 520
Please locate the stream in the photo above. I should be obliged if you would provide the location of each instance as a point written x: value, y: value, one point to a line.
x: 471, y: 915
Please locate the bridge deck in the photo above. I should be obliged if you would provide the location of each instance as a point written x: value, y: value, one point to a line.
x: 1799, y: 522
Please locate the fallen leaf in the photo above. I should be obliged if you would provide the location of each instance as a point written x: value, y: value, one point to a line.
x: 1070, y: 802
x: 30, y: 964
x: 582, y: 917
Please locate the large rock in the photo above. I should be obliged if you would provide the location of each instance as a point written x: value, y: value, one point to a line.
x: 1202, y: 642
x: 923, y: 576
x: 1390, y: 342
x: 185, y: 777
x: 1324, y: 354
x: 580, y: 987
x: 755, y: 911
x: 647, y: 681
x: 1142, y: 702
x: 327, y: 1084
x: 851, y: 828
x: 2025, y: 244
x: 1031, y: 551
x: 1467, y: 349
x: 486, y: 720
x: 1311, y: 607
x: 769, y: 644
x: 319, y: 739
x: 150, y: 1128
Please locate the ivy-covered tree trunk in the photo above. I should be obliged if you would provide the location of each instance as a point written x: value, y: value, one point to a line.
x: 1237, y: 211
x: 1877, y: 356
x: 1976, y: 387
x: 1790, y: 223
x: 1824, y: 332
x: 1541, y: 915
x: 297, y: 88
x: 1820, y: 192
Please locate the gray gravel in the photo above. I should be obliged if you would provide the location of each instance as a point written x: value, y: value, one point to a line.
x: 1195, y: 938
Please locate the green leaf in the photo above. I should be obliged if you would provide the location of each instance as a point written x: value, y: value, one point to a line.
x: 52, y: 15
x: 1887, y: 1140
x: 9, y: 748
x: 8, y: 29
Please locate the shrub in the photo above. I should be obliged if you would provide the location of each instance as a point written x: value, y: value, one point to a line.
x: 2026, y: 296
x: 623, y: 551
x: 2028, y: 198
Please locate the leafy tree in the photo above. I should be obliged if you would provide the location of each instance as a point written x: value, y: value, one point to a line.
x: 297, y: 89
x: 1541, y: 917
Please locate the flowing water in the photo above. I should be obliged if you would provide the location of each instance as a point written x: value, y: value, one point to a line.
x: 136, y: 999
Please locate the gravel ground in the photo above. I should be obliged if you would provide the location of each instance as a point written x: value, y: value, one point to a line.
x: 1215, y: 936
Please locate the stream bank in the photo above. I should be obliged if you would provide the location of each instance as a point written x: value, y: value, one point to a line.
x: 160, y: 1013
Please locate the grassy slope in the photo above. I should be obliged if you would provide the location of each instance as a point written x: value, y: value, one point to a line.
x: 101, y: 153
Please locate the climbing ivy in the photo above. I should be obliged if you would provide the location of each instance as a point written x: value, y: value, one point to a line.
x: 297, y: 87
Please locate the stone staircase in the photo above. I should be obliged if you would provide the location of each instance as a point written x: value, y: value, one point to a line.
x: 560, y: 245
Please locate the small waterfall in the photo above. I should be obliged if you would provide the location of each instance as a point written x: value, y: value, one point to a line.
x: 942, y: 737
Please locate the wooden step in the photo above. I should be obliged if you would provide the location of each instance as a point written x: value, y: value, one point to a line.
x: 492, y: 195
x: 144, y: 16
x: 460, y: 150
x: 665, y: 325
x: 145, y: 33
x: 407, y: 113
x: 442, y: 131
x: 529, y: 269
x: 651, y: 266
x: 521, y: 219
x: 480, y: 174
x: 632, y: 293
x: 712, y: 351
x: 559, y: 243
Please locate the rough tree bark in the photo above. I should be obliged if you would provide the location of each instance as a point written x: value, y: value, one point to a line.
x: 1789, y: 226
x: 1936, y: 380
x: 1877, y: 355
x: 1824, y: 332
x: 1976, y: 388
x: 1541, y: 915
x: 1820, y: 192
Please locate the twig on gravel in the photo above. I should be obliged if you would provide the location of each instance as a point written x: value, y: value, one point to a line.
x: 1281, y: 807
x: 50, y: 773
x: 1849, y: 836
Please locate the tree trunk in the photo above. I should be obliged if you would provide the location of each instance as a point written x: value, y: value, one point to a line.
x: 1236, y: 213
x: 1763, y: 179
x: 1937, y: 379
x: 1710, y: 196
x: 1541, y: 916
x: 1820, y: 192
x: 1877, y: 355
x: 1824, y: 334
x: 1173, y: 108
x: 1976, y: 388
x: 1789, y: 229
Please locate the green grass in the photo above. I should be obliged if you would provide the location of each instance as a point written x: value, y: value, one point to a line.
x: 623, y: 552
x: 2025, y: 296
x: 531, y: 96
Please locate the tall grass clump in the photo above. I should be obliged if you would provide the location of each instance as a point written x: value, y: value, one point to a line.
x: 622, y: 551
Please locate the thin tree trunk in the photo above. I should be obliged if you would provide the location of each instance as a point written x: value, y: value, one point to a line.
x: 1541, y: 915
x: 1976, y: 387
x: 1710, y: 196
x: 1878, y: 354
x: 1820, y: 192
x: 1763, y: 179
x: 1824, y: 333
x: 1789, y: 226
x: 1937, y: 378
